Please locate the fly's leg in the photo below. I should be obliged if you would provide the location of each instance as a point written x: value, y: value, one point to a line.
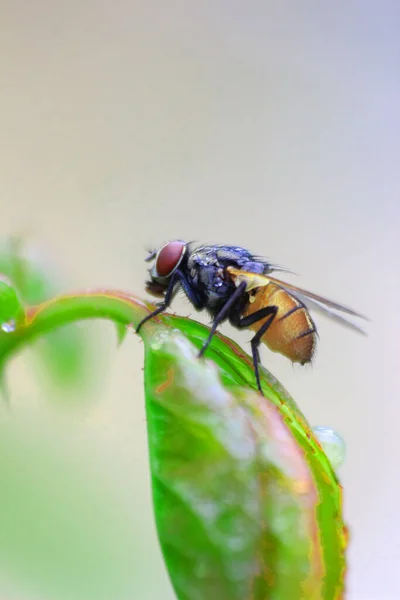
x: 177, y: 278
x: 244, y: 322
x: 223, y: 314
x: 166, y: 302
x: 255, y: 342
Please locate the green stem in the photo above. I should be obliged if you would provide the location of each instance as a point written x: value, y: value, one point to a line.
x: 119, y: 307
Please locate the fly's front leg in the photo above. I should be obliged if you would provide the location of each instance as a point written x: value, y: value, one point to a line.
x: 164, y: 304
x: 177, y: 278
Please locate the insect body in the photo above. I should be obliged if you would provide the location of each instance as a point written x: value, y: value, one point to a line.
x: 234, y: 285
x: 291, y: 332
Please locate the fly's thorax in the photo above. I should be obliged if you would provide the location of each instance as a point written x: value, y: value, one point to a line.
x: 225, y: 256
x: 216, y: 287
x: 207, y: 266
x: 209, y: 278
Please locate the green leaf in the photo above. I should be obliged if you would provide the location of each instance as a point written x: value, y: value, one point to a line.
x: 246, y: 502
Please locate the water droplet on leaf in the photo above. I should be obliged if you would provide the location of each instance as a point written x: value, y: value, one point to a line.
x: 9, y: 326
x: 11, y: 308
x: 333, y: 445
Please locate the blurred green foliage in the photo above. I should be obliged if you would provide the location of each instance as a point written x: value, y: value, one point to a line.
x: 62, y: 531
x: 64, y: 353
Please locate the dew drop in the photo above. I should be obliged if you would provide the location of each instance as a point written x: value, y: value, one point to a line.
x: 9, y: 326
x: 333, y: 445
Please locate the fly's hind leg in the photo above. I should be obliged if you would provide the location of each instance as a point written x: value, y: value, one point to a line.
x: 244, y: 322
x: 255, y: 342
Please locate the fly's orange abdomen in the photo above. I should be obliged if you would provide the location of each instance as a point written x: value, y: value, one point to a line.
x: 292, y: 331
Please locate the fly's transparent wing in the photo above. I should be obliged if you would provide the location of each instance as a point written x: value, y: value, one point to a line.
x: 335, y: 311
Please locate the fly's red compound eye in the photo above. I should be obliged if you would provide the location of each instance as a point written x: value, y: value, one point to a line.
x: 169, y: 258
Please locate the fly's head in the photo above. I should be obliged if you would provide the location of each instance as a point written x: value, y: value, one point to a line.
x: 166, y: 261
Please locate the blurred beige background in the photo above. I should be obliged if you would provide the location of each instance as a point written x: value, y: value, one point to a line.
x: 273, y: 125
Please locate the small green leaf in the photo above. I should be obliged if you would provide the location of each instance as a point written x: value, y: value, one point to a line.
x: 12, y: 311
x: 122, y: 330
